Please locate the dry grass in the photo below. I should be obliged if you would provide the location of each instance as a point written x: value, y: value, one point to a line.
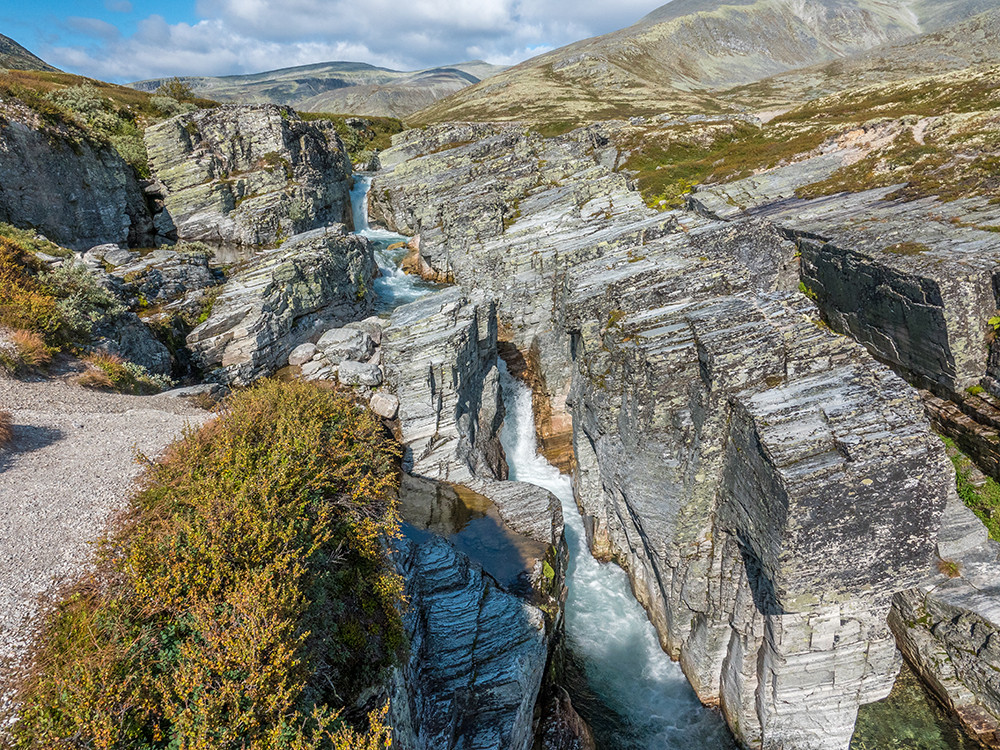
x: 6, y: 429
x: 22, y: 352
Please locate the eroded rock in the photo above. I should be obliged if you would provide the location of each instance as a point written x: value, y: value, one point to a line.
x: 285, y: 296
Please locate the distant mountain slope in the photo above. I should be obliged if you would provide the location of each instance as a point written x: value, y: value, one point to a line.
x: 15, y: 57
x: 344, y: 87
x: 968, y: 44
x: 677, y: 56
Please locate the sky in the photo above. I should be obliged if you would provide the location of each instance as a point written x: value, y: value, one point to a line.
x: 129, y: 40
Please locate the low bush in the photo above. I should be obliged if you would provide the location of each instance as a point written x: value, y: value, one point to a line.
x: 61, y: 305
x: 6, y: 429
x: 246, y: 598
x: 120, y: 375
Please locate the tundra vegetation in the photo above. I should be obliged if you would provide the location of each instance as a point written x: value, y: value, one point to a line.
x: 44, y: 311
x: 245, y: 599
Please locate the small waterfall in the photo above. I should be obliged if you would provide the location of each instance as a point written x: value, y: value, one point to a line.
x: 393, y: 287
x: 638, y: 699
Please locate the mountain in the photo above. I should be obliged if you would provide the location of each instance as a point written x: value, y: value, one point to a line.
x: 15, y: 57
x: 344, y: 87
x: 967, y: 44
x: 675, y: 58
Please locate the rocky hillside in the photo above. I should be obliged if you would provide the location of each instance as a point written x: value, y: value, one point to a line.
x: 16, y: 57
x: 346, y: 87
x: 673, y: 58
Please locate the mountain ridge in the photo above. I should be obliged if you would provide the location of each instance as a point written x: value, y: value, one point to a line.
x: 14, y: 56
x: 339, y: 86
x: 678, y: 56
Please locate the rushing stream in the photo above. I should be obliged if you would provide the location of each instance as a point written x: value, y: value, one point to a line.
x: 393, y: 287
x: 638, y: 698
x: 624, y: 685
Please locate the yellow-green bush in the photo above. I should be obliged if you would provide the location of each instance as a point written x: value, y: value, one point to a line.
x: 246, y: 597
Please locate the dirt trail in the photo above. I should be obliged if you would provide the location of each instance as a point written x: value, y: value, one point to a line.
x: 70, y: 466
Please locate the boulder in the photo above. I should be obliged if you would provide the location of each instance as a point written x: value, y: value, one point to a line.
x: 359, y: 373
x: 384, y: 404
x: 249, y: 175
x: 339, y: 344
x: 302, y: 354
x: 372, y: 326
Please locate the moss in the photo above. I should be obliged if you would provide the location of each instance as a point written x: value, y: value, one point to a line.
x: 984, y: 501
x: 244, y: 600
x: 908, y: 248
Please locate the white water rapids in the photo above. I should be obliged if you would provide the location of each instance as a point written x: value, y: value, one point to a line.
x: 630, y: 691
x: 640, y: 698
x: 393, y: 287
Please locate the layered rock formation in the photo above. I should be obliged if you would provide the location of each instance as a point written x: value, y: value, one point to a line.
x: 250, y: 175
x: 314, y: 281
x: 71, y: 188
x: 440, y: 356
x: 767, y: 485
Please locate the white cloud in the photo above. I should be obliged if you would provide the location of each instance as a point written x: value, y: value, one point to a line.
x: 244, y: 36
x: 118, y: 6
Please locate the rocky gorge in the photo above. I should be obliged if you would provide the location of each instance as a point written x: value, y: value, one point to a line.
x: 744, y: 389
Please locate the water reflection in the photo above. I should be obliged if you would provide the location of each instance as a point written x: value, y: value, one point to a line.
x: 473, y: 525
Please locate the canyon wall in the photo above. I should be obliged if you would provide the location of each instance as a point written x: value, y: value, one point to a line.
x: 768, y: 485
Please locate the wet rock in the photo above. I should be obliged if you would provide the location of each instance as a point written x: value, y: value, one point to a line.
x: 562, y: 728
x: 282, y: 299
x: 477, y: 656
x: 339, y: 344
x: 359, y: 373
x: 249, y: 175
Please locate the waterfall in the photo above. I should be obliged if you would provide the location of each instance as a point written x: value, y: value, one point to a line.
x: 393, y: 287
x: 638, y: 698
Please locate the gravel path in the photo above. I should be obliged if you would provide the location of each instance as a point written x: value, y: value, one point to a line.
x: 70, y: 466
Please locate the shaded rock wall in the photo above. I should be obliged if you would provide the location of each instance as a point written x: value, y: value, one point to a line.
x: 250, y: 175
x: 75, y: 191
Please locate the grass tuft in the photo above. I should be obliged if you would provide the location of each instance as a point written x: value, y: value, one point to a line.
x: 247, y: 598
x: 6, y: 429
x: 109, y: 371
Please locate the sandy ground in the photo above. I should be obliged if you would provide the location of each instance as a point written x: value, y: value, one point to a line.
x: 71, y: 465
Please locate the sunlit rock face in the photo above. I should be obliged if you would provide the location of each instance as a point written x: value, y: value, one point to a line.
x: 249, y: 175
x: 766, y: 483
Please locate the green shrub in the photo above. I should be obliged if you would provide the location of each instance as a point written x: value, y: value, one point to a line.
x: 107, y: 121
x: 246, y: 597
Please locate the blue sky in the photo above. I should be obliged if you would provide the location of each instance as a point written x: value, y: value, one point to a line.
x: 127, y: 40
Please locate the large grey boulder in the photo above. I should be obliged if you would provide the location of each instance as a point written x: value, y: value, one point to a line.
x: 339, y: 344
x: 285, y: 296
x: 75, y: 190
x: 249, y: 175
